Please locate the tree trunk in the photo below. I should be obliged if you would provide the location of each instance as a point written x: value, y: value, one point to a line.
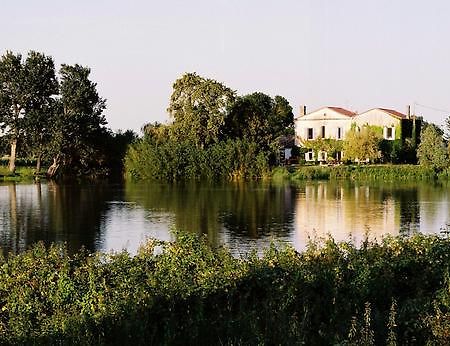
x: 12, y: 157
x: 38, y: 164
x: 53, y: 169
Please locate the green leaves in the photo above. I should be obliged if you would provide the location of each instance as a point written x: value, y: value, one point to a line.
x: 431, y: 151
x: 362, y: 144
x: 260, y: 119
x: 394, y: 291
x: 199, y: 107
x: 26, y: 95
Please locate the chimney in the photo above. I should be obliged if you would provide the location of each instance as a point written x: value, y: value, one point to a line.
x: 408, y: 111
x: 302, y: 110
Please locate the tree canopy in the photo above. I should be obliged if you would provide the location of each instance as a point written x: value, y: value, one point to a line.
x: 259, y: 118
x: 431, y: 150
x: 199, y: 107
x: 79, y: 123
x: 43, y: 119
x: 26, y: 91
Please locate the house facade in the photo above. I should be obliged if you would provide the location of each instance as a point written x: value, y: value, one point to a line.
x: 333, y: 123
x: 323, y: 123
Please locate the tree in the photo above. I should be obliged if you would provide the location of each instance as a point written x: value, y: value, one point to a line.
x: 199, y: 107
x: 79, y: 125
x: 157, y: 131
x: 43, y: 88
x: 363, y: 144
x: 431, y: 150
x: 26, y: 89
x: 283, y: 117
x: 260, y: 119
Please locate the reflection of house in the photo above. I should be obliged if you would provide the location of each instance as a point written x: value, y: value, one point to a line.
x: 341, y: 211
x: 334, y: 122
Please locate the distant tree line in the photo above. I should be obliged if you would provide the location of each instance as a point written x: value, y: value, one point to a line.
x: 59, y: 122
x: 214, y: 133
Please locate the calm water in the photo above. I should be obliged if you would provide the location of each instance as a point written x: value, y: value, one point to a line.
x: 242, y: 216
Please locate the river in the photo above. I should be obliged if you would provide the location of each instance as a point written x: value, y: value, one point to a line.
x: 241, y: 216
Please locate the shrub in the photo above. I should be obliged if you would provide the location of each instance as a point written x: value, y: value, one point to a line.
x: 186, y: 292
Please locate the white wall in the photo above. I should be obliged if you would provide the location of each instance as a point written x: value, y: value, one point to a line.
x: 323, y: 117
x: 376, y: 117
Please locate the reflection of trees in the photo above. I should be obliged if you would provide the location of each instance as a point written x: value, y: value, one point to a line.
x: 247, y: 209
x: 408, y: 200
x: 431, y: 195
x: 15, y: 219
x: 51, y: 213
x: 76, y: 212
x: 194, y: 205
x: 254, y: 210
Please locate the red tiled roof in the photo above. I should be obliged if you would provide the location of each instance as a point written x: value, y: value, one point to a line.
x: 343, y: 111
x: 393, y: 113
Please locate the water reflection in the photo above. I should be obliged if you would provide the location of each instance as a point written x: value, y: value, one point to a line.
x: 242, y: 216
x: 239, y: 215
x: 51, y: 213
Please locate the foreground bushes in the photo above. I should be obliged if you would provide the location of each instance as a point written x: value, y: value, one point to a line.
x: 186, y: 293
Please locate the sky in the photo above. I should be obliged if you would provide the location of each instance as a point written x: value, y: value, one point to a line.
x: 356, y: 54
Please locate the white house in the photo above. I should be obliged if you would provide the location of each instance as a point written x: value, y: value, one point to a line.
x: 335, y: 122
x: 389, y: 119
x: 326, y: 122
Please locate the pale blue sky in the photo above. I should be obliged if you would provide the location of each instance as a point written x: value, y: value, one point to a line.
x: 351, y: 53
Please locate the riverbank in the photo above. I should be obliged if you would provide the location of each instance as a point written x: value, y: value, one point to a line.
x: 360, y: 172
x: 22, y: 173
x: 395, y: 292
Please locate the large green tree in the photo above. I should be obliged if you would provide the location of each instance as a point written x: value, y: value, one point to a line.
x: 431, y: 150
x: 260, y: 119
x: 79, y: 125
x: 43, y: 87
x: 26, y: 90
x: 198, y: 107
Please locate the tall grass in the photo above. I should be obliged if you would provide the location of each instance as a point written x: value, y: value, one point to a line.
x: 21, y: 173
x: 367, y: 172
x: 395, y: 291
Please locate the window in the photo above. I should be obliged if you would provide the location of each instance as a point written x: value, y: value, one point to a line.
x: 339, y: 133
x: 310, y: 134
x: 322, y: 156
x: 323, y: 132
x: 389, y: 132
x: 309, y: 156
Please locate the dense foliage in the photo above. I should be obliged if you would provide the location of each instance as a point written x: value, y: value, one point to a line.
x: 55, y: 122
x: 362, y: 144
x: 214, y: 134
x: 432, y: 151
x: 26, y: 91
x: 199, y: 107
x: 393, y: 292
x: 172, y: 160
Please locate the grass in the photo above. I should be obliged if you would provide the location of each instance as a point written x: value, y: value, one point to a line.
x: 361, y: 172
x: 22, y: 173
